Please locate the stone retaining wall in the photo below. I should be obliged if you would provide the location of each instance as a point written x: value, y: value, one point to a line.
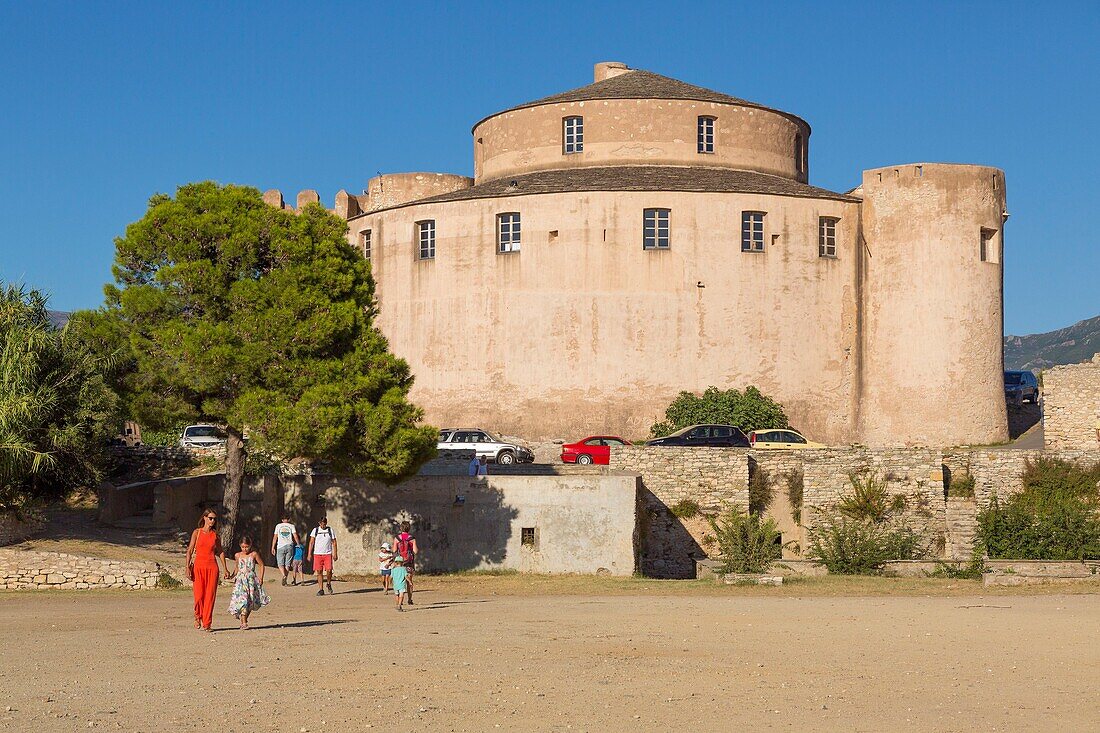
x: 711, y: 477
x: 1071, y: 406
x: 15, y: 529
x: 46, y: 570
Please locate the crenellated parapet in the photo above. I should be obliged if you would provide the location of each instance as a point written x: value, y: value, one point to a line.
x: 383, y: 192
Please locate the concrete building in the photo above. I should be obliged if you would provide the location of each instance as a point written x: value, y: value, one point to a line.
x: 640, y: 236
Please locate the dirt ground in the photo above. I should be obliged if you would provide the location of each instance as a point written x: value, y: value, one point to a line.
x: 559, y: 654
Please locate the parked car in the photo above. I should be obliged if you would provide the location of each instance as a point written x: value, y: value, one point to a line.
x: 202, y: 436
x: 789, y: 439
x: 712, y: 436
x: 486, y: 444
x: 593, y: 449
x: 1021, y: 386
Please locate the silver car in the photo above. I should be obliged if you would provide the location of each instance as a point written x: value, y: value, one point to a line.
x: 486, y: 444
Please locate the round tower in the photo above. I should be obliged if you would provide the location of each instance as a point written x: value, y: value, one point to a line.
x: 932, y: 306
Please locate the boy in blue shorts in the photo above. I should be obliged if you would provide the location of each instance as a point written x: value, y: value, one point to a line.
x: 400, y: 576
x: 296, y: 563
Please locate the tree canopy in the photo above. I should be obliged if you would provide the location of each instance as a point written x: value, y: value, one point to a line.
x: 748, y: 410
x: 56, y: 410
x: 237, y: 313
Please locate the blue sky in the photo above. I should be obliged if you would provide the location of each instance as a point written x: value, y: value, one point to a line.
x: 102, y: 105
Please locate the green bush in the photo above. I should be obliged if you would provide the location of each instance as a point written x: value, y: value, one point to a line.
x: 684, y: 509
x: 748, y: 410
x: 973, y: 570
x: 57, y: 411
x: 795, y: 485
x: 1054, y: 517
x: 864, y: 531
x: 748, y: 543
x: 848, y: 546
x: 870, y: 499
x: 760, y: 491
x: 162, y: 438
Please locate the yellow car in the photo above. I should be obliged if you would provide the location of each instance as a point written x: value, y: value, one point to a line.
x: 788, y: 439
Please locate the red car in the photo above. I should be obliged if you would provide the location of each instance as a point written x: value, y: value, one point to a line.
x: 593, y: 449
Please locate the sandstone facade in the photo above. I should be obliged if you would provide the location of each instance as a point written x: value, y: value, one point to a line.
x: 532, y: 299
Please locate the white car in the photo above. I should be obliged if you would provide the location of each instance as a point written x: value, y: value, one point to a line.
x: 202, y: 436
x: 485, y: 444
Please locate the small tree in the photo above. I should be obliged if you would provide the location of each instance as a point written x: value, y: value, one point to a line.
x: 56, y: 410
x: 234, y: 312
x: 748, y: 410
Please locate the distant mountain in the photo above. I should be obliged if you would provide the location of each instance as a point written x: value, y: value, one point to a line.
x: 1070, y: 345
x: 59, y: 318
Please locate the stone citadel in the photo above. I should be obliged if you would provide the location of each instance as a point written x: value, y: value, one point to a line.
x: 639, y: 236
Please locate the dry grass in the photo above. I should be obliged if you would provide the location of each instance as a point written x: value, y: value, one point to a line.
x: 479, y: 584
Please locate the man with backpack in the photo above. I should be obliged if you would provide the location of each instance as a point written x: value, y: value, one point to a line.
x: 404, y: 544
x: 322, y: 550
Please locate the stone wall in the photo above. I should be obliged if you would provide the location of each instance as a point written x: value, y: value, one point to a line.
x: 15, y: 529
x: 582, y: 523
x: 914, y: 473
x: 1071, y: 406
x: 711, y: 477
x: 57, y: 570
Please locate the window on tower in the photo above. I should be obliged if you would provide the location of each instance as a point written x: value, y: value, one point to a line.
x: 706, y: 134
x: 572, y: 135
x: 365, y: 242
x: 508, y: 232
x: 826, y: 236
x: 752, y: 231
x: 425, y: 234
x: 655, y: 230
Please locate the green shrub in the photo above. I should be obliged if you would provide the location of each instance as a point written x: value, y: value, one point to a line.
x: 957, y: 571
x: 748, y: 543
x: 760, y: 491
x: 162, y: 438
x: 795, y: 485
x: 167, y: 582
x: 870, y: 499
x: 961, y: 486
x: 684, y: 509
x: 1054, y: 517
x: 864, y: 531
x: 748, y: 410
x: 848, y: 546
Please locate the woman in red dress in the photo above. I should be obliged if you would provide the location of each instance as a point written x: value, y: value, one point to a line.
x: 202, y: 568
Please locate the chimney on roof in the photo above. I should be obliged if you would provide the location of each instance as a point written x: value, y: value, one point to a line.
x: 609, y: 69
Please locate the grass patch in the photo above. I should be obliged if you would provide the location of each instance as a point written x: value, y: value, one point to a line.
x: 167, y: 582
x: 685, y: 509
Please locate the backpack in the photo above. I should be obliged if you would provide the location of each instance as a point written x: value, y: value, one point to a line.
x: 405, y: 547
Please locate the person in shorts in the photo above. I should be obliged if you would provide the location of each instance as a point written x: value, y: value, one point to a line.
x: 322, y: 551
x: 404, y: 546
x: 283, y: 543
x: 296, y: 564
x: 385, y: 562
x: 400, y: 582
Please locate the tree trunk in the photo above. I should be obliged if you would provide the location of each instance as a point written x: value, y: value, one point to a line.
x: 234, y: 483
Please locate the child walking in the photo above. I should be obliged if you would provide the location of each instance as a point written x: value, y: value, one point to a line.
x: 385, y: 563
x: 296, y: 564
x: 400, y: 576
x: 248, y: 591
